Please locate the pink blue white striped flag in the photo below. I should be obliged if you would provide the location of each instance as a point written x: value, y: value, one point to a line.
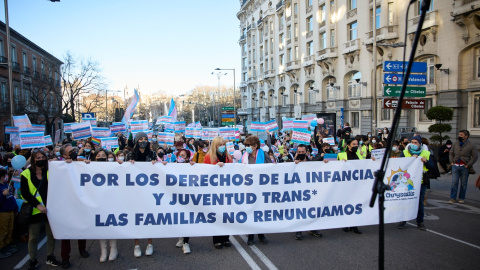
x: 131, y: 108
x: 173, y: 110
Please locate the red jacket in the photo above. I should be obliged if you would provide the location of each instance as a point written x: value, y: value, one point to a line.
x: 207, y: 160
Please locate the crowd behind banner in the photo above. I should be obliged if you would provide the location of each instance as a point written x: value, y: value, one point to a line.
x: 24, y: 176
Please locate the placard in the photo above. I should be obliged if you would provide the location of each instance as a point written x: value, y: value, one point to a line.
x: 10, y: 130
x: 271, y: 126
x: 22, y: 122
x: 300, y: 136
x: 81, y: 130
x: 330, y: 157
x: 230, y: 147
x: 138, y: 126
x: 118, y: 126
x: 329, y: 140
x: 378, y: 153
x: 227, y: 133
x: 166, y: 138
x: 48, y: 140
x: 179, y: 127
x: 300, y: 124
x: 109, y: 143
x: 101, y: 132
x: 91, y: 121
x: 32, y: 140
x: 257, y: 127
x: 38, y: 128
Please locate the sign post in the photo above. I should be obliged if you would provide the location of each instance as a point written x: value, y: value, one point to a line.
x: 415, y: 104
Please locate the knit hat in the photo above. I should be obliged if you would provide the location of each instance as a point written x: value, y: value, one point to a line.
x: 418, y: 138
x: 448, y: 142
x: 140, y: 135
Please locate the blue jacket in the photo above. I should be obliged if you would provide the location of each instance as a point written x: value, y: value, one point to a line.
x: 7, y: 203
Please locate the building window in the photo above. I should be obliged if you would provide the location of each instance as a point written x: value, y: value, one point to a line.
x: 476, y: 110
x: 244, y: 78
x: 378, y: 11
x: 244, y: 103
x: 266, y: 63
x: 323, y: 40
x: 331, y: 94
x: 332, y: 38
x: 354, y: 89
x: 352, y: 4
x: 332, y: 11
x: 391, y: 6
x: 309, y: 24
x: 2, y: 48
x: 261, y: 68
x: 295, y: 8
x: 430, y: 70
x: 271, y: 26
x: 271, y: 61
x: 284, y: 100
x: 282, y: 60
x: 254, y: 55
x: 323, y: 13
x: 312, y: 97
x: 280, y: 20
x: 14, y: 53
x: 352, y: 31
x: 289, y: 55
x: 289, y: 32
x: 254, y: 71
x: 271, y: 45
x: 423, y: 114
x: 478, y: 64
x: 309, y: 3
x: 34, y: 60
x: 355, y: 122
x: 244, y: 62
x: 16, y: 95
x: 418, y: 6
x: 26, y: 94
x: 310, y: 48
x: 295, y: 30
x: 4, y: 93
x: 253, y: 40
x: 296, y: 53
x: 282, y: 41
x: 385, y: 114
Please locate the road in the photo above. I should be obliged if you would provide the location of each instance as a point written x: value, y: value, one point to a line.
x: 452, y: 241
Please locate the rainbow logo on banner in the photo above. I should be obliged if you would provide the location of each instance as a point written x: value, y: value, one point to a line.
x: 96, y: 141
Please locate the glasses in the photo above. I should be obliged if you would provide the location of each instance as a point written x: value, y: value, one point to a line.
x: 247, y: 145
x: 36, y: 150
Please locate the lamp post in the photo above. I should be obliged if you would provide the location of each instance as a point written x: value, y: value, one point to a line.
x: 209, y: 116
x: 234, y: 97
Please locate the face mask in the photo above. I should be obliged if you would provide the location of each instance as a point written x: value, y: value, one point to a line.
x: 73, y: 155
x: 354, y: 149
x: 154, y: 139
x: 101, y: 159
x: 9, y: 164
x: 385, y: 131
x: 142, y: 144
x: 249, y: 149
x: 414, y: 147
x: 347, y: 135
x: 273, y: 160
x: 121, y: 158
x: 57, y: 154
x: 88, y: 150
x: 461, y: 139
x: 161, y: 154
x: 301, y: 156
x: 285, y: 158
x: 369, y: 136
x: 180, y: 159
x: 17, y: 151
x: 172, y: 148
x: 110, y: 159
x: 449, y: 146
x: 221, y: 149
x: 80, y: 145
x: 360, y: 142
x: 328, y: 151
x: 41, y: 163
x: 205, y: 149
x: 374, y: 141
x: 394, y: 149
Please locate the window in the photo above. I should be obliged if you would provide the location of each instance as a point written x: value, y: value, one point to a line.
x: 266, y: 63
x: 261, y: 68
x: 312, y: 97
x: 378, y: 11
x: 355, y: 122
x: 391, y: 6
x: 244, y: 63
x: 42, y: 67
x: 24, y: 59
x: 478, y: 64
x: 352, y: 4
x: 332, y: 38
x: 16, y: 95
x: 295, y: 8
x: 26, y: 93
x: 4, y: 93
x: 2, y: 48
x: 352, y: 31
x: 323, y: 40
x: 289, y: 55
x: 296, y: 30
x: 254, y: 55
x: 310, y: 48
x: 296, y: 53
x: 331, y: 94
x: 280, y: 20
x: 423, y: 114
x: 271, y: 61
x: 34, y: 60
x: 332, y: 11
x: 13, y: 52
x: 254, y: 71
x: 354, y: 89
x: 309, y: 24
x: 271, y: 26
x: 244, y: 77
x: 284, y: 100
x: 253, y: 40
x: 419, y: 4
x: 476, y: 110
x: 271, y: 45
x: 295, y: 99
x: 385, y: 114
x: 281, y: 40
x: 430, y: 70
x: 244, y: 102
x: 323, y: 13
x: 261, y: 51
x: 282, y: 60
x: 289, y: 32
x: 309, y: 3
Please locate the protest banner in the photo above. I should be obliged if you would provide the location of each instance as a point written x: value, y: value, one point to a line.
x: 271, y: 126
x: 314, y: 151
x: 91, y: 121
x: 32, y: 140
x: 101, y: 132
x: 300, y: 124
x: 257, y: 127
x: 230, y: 147
x: 149, y: 135
x: 237, y: 134
x: 9, y: 130
x: 81, y: 130
x: 179, y: 199
x: 198, y: 125
x: 309, y: 117
x: 301, y: 136
x: 118, y: 127
x: 378, y: 153
x: 288, y: 124
x: 330, y: 157
x: 329, y: 140
x: 197, y: 133
x: 22, y: 122
x: 179, y: 127
x: 67, y: 127
x: 109, y: 143
x: 15, y: 138
x: 48, y: 140
x: 57, y: 135
x: 189, y: 132
x: 162, y: 120
x: 165, y: 138
x: 227, y: 133
x: 38, y: 128
x: 138, y: 126
x: 169, y: 127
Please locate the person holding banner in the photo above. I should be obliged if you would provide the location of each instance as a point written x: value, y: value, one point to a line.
x: 202, y: 150
x: 34, y: 188
x: 120, y: 155
x: 217, y: 155
x: 86, y: 153
x: 254, y: 155
x: 141, y: 152
x: 414, y: 149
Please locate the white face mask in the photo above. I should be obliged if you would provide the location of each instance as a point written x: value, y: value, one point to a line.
x: 110, y: 159
x: 374, y: 141
x: 121, y: 158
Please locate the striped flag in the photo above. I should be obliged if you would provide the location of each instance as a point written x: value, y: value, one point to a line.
x: 131, y: 108
x: 173, y: 111
x: 96, y: 141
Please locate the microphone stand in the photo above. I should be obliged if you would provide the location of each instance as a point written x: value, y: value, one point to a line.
x: 379, y: 187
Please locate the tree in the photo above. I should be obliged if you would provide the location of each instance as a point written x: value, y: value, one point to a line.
x: 79, y: 77
x: 440, y: 114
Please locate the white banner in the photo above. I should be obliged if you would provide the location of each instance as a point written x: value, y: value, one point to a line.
x: 125, y: 201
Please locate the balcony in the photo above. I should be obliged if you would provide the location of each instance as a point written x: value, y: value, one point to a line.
x: 280, y: 5
x: 464, y: 7
x: 16, y: 66
x: 260, y: 21
x: 309, y: 60
x: 293, y: 65
x: 351, y: 46
x: 242, y: 39
x: 3, y: 62
x: 36, y: 74
x: 384, y: 33
x: 326, y: 53
x: 26, y: 71
x: 430, y: 21
x: 251, y: 27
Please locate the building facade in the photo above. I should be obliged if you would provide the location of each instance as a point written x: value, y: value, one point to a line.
x: 36, y: 82
x: 323, y: 56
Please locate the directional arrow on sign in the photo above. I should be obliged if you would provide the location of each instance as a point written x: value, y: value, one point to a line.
x: 389, y: 66
x: 388, y: 78
x: 387, y: 103
x: 388, y: 91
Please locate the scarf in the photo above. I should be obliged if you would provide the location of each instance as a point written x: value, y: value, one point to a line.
x: 260, y: 157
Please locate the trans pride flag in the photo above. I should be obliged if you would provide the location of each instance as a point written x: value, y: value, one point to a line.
x: 173, y: 111
x: 131, y: 108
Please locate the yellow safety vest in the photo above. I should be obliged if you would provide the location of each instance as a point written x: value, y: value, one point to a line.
x: 364, y: 150
x: 424, y: 153
x: 33, y: 189
x: 343, y: 155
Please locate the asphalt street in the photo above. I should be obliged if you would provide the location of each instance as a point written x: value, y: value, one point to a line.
x: 452, y: 241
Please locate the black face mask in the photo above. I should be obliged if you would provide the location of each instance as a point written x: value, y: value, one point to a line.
x: 9, y: 164
x: 161, y: 154
x: 354, y: 149
x: 73, y: 155
x: 329, y: 151
x: 41, y: 163
x: 301, y: 156
x: 17, y: 151
x: 101, y: 159
x: 461, y: 138
x: 142, y: 144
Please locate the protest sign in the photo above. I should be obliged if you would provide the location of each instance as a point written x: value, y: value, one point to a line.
x: 301, y: 136
x: 118, y: 126
x: 67, y: 127
x: 22, y: 122
x: 230, y: 147
x: 179, y: 127
x: 15, y: 138
x: 57, y: 135
x: 288, y: 124
x: 300, y: 124
x: 100, y: 132
x: 189, y: 132
x: 38, y: 128
x: 138, y: 126
x: 109, y: 143
x: 165, y: 138
x: 162, y: 120
x: 32, y: 140
x: 169, y: 127
x: 378, y: 153
x: 149, y: 135
x: 179, y: 199
x: 309, y: 117
x: 330, y: 157
x: 9, y: 130
x: 329, y: 140
x: 197, y: 133
x: 257, y: 127
x: 227, y: 133
x: 314, y: 151
x: 271, y: 126
x: 81, y: 130
x: 91, y: 121
x: 48, y: 140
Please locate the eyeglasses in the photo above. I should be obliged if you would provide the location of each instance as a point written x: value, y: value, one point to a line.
x: 247, y: 145
x: 36, y: 150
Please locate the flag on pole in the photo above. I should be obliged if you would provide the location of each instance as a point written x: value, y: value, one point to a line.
x: 131, y: 108
x: 173, y: 110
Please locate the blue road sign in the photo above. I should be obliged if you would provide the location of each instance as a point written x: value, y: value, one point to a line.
x: 390, y: 78
x: 399, y: 66
x: 88, y: 115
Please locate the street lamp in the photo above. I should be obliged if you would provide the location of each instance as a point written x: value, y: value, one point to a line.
x: 209, y: 116
x: 234, y: 107
x: 219, y: 75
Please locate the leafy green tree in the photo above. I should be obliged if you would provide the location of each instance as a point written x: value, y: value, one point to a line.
x: 440, y: 114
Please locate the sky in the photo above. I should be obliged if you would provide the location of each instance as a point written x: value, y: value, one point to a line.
x: 158, y: 45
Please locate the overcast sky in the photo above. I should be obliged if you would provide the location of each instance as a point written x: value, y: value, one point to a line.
x: 157, y: 44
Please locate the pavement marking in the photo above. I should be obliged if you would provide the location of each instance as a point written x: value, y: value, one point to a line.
x: 449, y: 237
x: 244, y: 254
x: 260, y: 255
x: 25, y: 260
x: 455, y: 207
